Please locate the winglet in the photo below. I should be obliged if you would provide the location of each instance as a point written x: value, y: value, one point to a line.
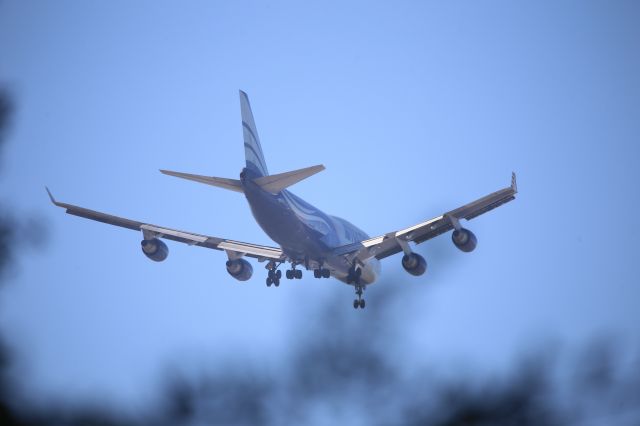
x: 514, y: 184
x: 53, y: 200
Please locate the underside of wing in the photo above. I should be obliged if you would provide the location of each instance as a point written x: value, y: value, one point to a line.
x: 397, y: 241
x: 234, y: 249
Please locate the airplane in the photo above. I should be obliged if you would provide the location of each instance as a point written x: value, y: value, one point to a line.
x: 307, y: 237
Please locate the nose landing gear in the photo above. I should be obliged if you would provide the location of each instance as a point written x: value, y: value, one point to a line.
x: 354, y: 275
x: 359, y: 302
x: 354, y: 278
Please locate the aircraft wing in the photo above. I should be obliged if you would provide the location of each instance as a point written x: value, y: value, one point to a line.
x: 391, y: 243
x: 235, y: 248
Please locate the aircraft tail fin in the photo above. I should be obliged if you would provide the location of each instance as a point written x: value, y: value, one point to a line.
x: 278, y: 182
x: 255, y: 162
x: 252, y: 149
x: 230, y: 184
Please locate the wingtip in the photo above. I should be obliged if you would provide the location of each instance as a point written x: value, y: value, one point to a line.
x: 514, y: 183
x: 53, y: 200
x: 170, y: 173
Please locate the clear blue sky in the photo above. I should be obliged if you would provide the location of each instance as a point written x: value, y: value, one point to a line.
x: 413, y: 107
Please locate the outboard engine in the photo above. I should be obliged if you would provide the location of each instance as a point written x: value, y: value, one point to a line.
x: 414, y: 264
x: 464, y: 239
x: 239, y: 269
x: 155, y: 249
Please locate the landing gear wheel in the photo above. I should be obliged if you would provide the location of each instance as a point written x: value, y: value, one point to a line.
x: 359, y: 302
x: 321, y: 272
x: 289, y: 274
x: 273, y: 275
x: 298, y: 273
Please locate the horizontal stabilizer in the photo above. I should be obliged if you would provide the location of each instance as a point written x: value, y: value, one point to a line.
x: 276, y: 183
x: 231, y: 184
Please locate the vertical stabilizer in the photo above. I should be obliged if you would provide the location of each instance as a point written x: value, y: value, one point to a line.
x: 252, y: 149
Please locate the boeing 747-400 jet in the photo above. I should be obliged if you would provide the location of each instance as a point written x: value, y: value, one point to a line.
x: 307, y: 237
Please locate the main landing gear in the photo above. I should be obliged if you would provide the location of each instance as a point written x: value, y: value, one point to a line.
x: 322, y: 273
x: 293, y: 273
x: 273, y: 274
x: 273, y: 277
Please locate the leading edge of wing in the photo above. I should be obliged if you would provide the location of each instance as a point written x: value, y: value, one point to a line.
x: 257, y: 251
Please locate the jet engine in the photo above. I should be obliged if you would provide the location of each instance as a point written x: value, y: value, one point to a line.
x: 239, y: 269
x: 414, y: 264
x: 464, y: 239
x: 155, y: 249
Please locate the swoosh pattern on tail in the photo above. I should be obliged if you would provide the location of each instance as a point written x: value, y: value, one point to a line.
x: 252, y: 149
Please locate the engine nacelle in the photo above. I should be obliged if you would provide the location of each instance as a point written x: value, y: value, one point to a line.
x: 239, y: 269
x: 464, y: 239
x: 155, y: 249
x: 414, y: 264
